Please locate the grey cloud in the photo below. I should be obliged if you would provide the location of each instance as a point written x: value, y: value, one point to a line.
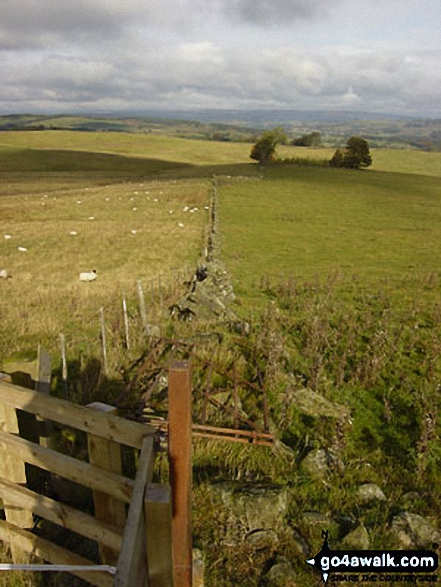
x: 202, y: 75
x: 274, y: 12
x: 27, y: 23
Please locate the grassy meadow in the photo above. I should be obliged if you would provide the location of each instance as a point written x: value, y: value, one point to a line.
x: 312, y: 221
x: 126, y: 230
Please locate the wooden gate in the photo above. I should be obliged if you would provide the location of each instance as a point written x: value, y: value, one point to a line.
x: 128, y: 556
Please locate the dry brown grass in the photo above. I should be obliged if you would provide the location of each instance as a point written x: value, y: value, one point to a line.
x: 45, y: 297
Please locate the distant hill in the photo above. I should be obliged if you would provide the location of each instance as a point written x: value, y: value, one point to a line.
x: 259, y: 117
x: 335, y: 127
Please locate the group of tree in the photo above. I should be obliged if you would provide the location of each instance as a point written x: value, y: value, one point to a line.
x: 312, y: 139
x: 354, y: 156
x: 264, y: 151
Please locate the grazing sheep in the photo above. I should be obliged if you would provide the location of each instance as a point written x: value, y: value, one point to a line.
x: 91, y: 276
x: 23, y: 249
x: 4, y: 274
x: 8, y: 236
x: 73, y: 233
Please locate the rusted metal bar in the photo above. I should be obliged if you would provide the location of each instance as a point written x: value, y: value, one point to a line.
x: 179, y: 447
x: 207, y: 392
x: 250, y: 440
x: 225, y: 433
x: 236, y: 397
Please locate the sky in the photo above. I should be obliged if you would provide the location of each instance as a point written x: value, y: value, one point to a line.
x: 118, y: 55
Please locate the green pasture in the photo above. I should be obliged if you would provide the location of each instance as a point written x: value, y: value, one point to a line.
x: 21, y: 150
x: 310, y: 222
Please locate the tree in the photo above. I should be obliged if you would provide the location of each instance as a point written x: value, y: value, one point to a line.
x: 337, y: 159
x: 265, y: 148
x: 312, y: 139
x: 355, y: 155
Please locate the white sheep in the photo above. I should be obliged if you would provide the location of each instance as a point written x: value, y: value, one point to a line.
x: 91, y: 276
x: 8, y: 236
x: 4, y: 274
x: 22, y: 249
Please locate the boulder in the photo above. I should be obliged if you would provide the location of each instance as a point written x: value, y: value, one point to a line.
x: 369, y: 492
x: 319, y: 523
x: 258, y: 506
x: 414, y: 531
x: 320, y: 463
x: 281, y: 574
x: 313, y: 404
x: 358, y: 539
x: 262, y: 538
x: 300, y: 544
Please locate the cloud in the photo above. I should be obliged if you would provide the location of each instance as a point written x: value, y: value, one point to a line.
x: 26, y: 23
x: 92, y: 54
x: 270, y: 12
x: 203, y: 75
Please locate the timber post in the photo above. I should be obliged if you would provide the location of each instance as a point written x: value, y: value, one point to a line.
x: 179, y: 443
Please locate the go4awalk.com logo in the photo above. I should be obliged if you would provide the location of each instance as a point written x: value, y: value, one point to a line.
x: 375, y: 565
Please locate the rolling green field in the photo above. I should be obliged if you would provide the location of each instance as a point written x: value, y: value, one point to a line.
x: 312, y: 221
x: 340, y: 269
x: 175, y: 150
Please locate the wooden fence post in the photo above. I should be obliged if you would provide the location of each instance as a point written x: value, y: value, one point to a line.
x: 179, y: 443
x: 142, y: 305
x: 107, y: 455
x: 126, y: 321
x: 103, y: 339
x: 64, y: 365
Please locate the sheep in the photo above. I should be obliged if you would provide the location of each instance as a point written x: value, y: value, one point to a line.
x: 8, y: 236
x: 91, y: 276
x: 4, y: 274
x: 22, y: 249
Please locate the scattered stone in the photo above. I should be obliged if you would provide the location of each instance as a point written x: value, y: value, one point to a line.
x: 198, y: 568
x: 337, y: 527
x: 299, y: 542
x: 358, y: 539
x: 370, y: 492
x: 320, y: 463
x: 280, y: 574
x: 312, y: 403
x: 262, y: 538
x: 260, y: 506
x: 414, y: 531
